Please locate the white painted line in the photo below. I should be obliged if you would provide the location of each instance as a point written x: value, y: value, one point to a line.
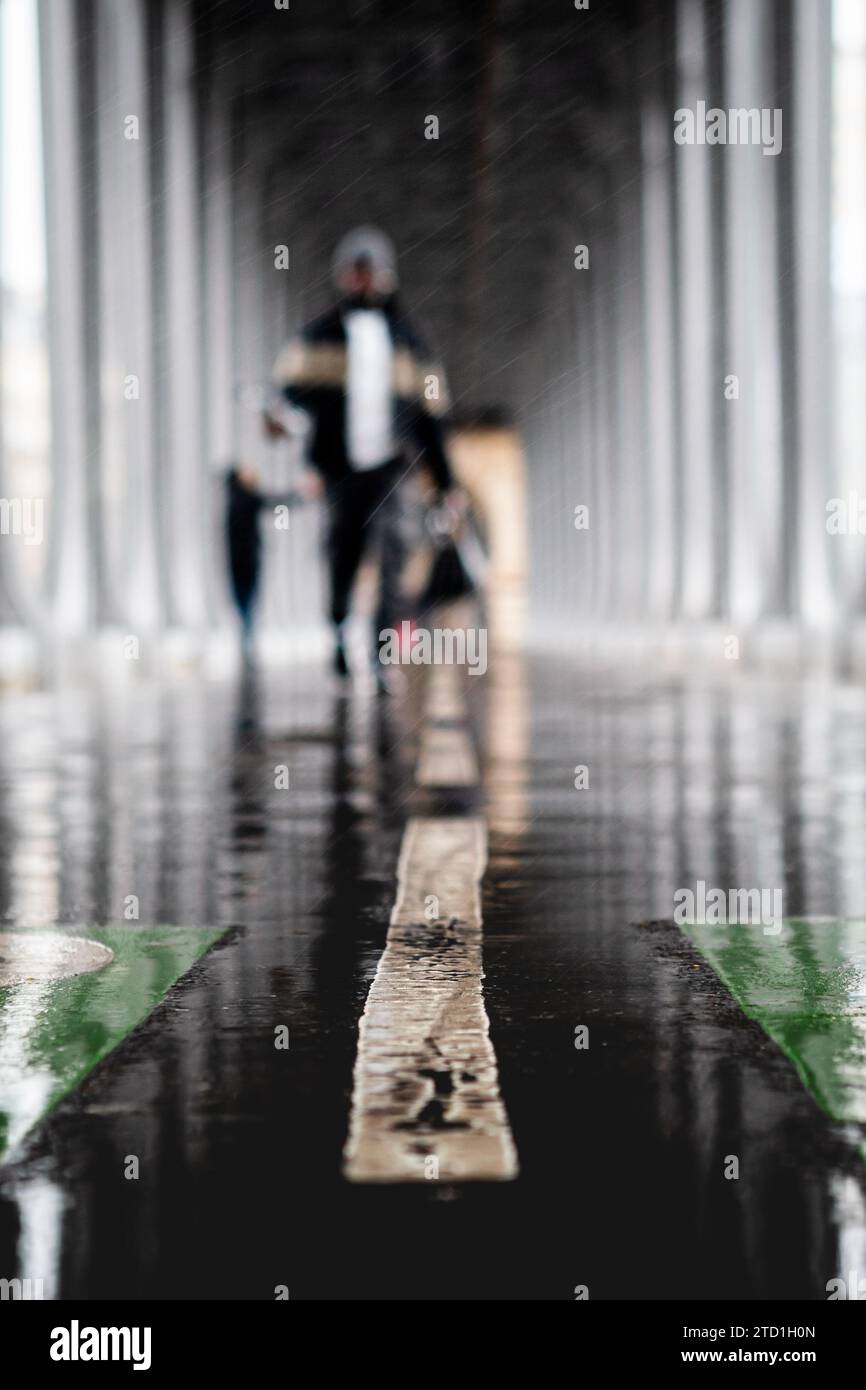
x: 426, y: 1102
x: 446, y: 759
x: 443, y: 696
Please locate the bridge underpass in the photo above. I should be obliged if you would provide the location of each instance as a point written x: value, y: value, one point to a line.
x: 541, y: 976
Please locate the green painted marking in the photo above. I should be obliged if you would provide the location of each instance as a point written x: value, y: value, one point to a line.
x: 54, y: 1032
x: 807, y: 989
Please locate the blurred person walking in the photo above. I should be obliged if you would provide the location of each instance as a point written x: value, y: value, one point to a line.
x: 376, y: 402
x: 244, y: 503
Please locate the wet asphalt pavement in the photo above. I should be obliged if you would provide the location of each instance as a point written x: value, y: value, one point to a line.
x: 169, y: 794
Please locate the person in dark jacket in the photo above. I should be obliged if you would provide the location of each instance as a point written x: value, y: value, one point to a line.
x: 376, y: 403
x: 244, y: 505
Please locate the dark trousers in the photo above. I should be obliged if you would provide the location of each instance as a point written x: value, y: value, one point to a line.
x: 364, y: 514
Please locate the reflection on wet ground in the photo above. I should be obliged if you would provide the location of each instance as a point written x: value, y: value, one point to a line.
x: 54, y: 1030
x: 174, y: 797
x: 806, y: 986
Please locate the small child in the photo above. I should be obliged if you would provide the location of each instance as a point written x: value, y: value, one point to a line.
x: 244, y: 503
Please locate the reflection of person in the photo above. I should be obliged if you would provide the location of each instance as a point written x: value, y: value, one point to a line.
x: 362, y: 375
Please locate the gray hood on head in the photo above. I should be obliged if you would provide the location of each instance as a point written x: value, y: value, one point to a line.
x: 371, y: 244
